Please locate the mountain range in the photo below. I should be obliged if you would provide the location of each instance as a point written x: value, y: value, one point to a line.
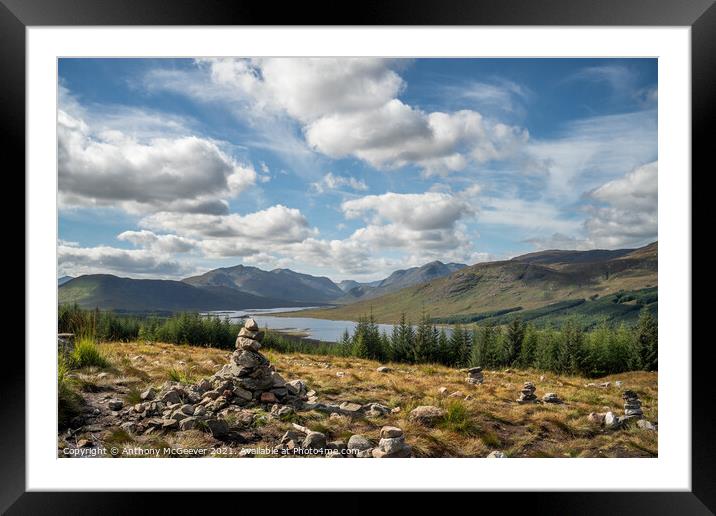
x: 233, y: 288
x: 533, y: 281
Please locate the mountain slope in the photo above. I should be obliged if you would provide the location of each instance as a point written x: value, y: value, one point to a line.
x: 113, y: 293
x: 278, y: 283
x: 529, y: 282
x: 63, y: 279
x: 398, y: 280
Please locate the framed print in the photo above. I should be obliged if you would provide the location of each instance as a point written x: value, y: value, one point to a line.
x: 436, y: 234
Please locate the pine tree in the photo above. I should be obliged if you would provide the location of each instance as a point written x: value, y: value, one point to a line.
x: 647, y: 336
x: 443, y: 353
x: 346, y: 346
x: 514, y: 340
x: 424, y: 341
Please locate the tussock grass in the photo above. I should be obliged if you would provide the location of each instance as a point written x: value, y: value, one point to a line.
x: 88, y: 354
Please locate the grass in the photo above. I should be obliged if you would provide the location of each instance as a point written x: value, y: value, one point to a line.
x: 68, y: 401
x: 180, y: 375
x: 491, y: 420
x: 88, y: 354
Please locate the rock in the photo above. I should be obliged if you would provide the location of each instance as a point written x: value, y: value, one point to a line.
x: 644, y: 424
x: 551, y: 397
x: 314, y: 441
x: 188, y: 423
x: 250, y: 324
x: 218, y: 427
x: 496, y: 455
x: 596, y: 417
x: 171, y: 397
x: 395, y: 410
x: 443, y: 391
x: 83, y: 443
x: 427, y: 415
x: 348, y: 406
x: 129, y: 426
x: 384, y: 369
x: 253, y: 335
x: 277, y: 379
x: 340, y: 374
x: 611, y: 420
x: 390, y: 432
x: 376, y: 410
x: 203, y: 386
x: 475, y: 376
x: 527, y: 393
x: 245, y: 344
x: 456, y: 394
x: 359, y: 442
x: 365, y: 454
x: 187, y: 409
x: 115, y: 404
x: 149, y: 394
x: 169, y: 424
x: 296, y: 387
x: 618, y: 383
x: 242, y: 394
x: 284, y: 411
x: 199, y: 411
x: 632, y: 405
x: 268, y: 397
x: 605, y: 385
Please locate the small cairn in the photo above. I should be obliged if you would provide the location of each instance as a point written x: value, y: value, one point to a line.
x: 527, y: 393
x: 632, y: 405
x: 474, y: 376
x: 551, y: 397
x: 391, y: 444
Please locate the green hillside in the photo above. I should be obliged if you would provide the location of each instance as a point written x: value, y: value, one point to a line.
x: 614, y: 309
x: 528, y: 282
x: 109, y: 292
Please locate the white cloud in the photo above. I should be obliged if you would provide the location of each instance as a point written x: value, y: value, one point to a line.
x: 162, y: 243
x: 349, y: 107
x: 626, y: 210
x: 112, y: 168
x: 76, y: 261
x: 331, y: 181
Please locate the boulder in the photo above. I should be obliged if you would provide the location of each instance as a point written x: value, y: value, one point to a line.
x: 427, y: 415
x: 188, y: 423
x: 359, y: 442
x: 390, y: 432
x: 218, y: 427
x: 348, y: 406
x: 250, y: 324
x: 245, y: 344
x: 149, y: 394
x: 253, y: 335
x: 115, y: 404
x: 384, y: 369
x: 314, y: 441
x: 496, y: 455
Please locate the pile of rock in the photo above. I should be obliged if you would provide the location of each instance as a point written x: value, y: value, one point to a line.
x: 392, y: 444
x: 632, y: 405
x: 527, y: 393
x: 474, y: 376
x: 551, y: 397
x: 247, y: 379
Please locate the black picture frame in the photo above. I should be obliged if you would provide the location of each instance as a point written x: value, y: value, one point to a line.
x: 700, y: 15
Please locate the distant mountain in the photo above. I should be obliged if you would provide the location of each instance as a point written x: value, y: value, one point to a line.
x: 63, y: 279
x: 278, y: 283
x: 398, y: 280
x: 526, y: 282
x: 113, y: 293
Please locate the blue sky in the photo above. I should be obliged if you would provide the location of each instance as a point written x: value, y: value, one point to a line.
x: 349, y: 168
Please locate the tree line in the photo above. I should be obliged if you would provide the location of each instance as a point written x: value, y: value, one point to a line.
x: 565, y: 350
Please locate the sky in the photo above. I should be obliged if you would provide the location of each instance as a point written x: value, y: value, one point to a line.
x: 349, y: 168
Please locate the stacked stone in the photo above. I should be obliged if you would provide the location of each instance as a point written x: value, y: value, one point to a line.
x: 527, y: 393
x: 551, y: 397
x: 632, y: 405
x: 474, y: 375
x: 392, y: 444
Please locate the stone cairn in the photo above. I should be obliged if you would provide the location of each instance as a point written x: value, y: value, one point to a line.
x: 474, y: 376
x: 248, y: 380
x: 527, y: 393
x: 632, y: 405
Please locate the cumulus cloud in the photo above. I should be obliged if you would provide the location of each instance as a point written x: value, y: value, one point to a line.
x: 350, y: 107
x: 76, y: 261
x: 112, y: 168
x: 331, y: 181
x: 162, y: 243
x: 625, y: 210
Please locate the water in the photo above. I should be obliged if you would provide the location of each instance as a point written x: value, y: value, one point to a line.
x: 319, y: 329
